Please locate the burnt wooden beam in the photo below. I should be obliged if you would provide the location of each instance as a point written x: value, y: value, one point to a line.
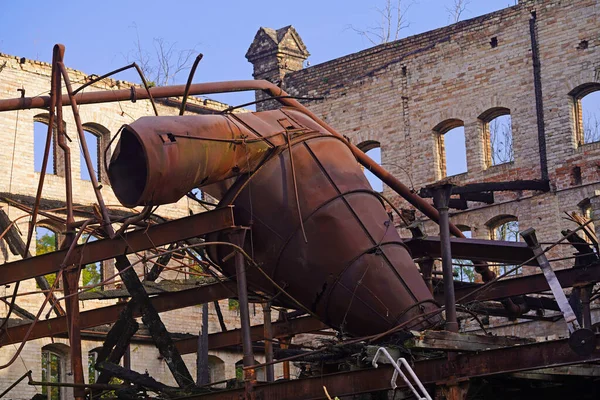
x: 151, y: 319
x: 117, y: 341
x: 483, y: 197
x: 445, y: 340
x: 542, y: 185
x: 17, y: 247
x: 158, y: 266
x: 220, y: 316
x: 19, y: 310
x: 136, y: 378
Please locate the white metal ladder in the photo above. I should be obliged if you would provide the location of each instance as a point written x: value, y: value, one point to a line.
x: 421, y: 393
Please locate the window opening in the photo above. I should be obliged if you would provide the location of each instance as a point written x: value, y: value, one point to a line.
x: 501, y: 139
x: 372, y: 148
x: 46, y: 241
x: 456, y: 151
x: 375, y: 182
x: 92, y: 274
x: 506, y: 229
x: 51, y: 372
x: 40, y: 132
x: 93, y: 143
x: 590, y: 117
x: 464, y: 270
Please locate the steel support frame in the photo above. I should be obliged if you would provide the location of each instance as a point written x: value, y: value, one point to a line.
x: 143, y: 239
x: 525, y: 285
x: 471, y: 365
x: 280, y: 329
x: 106, y: 315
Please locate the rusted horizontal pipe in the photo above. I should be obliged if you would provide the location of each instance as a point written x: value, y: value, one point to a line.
x: 225, y: 87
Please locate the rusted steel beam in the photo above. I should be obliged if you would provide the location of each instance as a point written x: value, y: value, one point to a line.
x: 526, y: 285
x: 234, y: 337
x: 513, y: 359
x: 474, y: 249
x: 157, y: 235
x: 106, y: 315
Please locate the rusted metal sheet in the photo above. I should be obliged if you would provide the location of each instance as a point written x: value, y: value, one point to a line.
x: 157, y: 235
x: 107, y: 315
x: 469, y: 365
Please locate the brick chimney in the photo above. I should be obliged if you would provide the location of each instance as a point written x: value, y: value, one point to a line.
x: 274, y: 53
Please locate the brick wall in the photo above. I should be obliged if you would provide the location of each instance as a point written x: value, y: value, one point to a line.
x: 397, y: 93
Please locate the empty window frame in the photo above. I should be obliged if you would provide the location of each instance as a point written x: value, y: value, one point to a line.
x: 586, y: 102
x: 40, y: 134
x: 451, y: 147
x: 498, y: 136
x: 92, y: 274
x: 463, y: 270
x: 46, y: 241
x: 372, y: 149
x: 96, y: 138
x: 53, y: 362
x: 506, y: 228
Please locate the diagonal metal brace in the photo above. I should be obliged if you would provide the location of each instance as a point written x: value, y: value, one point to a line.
x: 420, y: 394
x: 557, y: 291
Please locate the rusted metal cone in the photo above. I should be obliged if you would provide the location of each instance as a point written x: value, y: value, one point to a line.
x: 352, y: 271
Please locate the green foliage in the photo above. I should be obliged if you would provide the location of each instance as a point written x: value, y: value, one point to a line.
x: 91, y: 275
x: 234, y: 304
x: 46, y: 242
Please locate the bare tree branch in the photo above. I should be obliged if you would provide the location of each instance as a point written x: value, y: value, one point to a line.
x: 168, y: 61
x: 456, y: 10
x: 501, y: 140
x: 392, y: 22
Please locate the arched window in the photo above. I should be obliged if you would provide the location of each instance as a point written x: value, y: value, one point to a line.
x: 54, y: 362
x: 216, y: 369
x: 452, y: 149
x: 498, y: 136
x: 586, y: 218
x: 464, y: 270
x: 505, y: 227
x: 40, y: 134
x: 586, y: 101
x: 96, y: 138
x: 372, y: 148
x: 93, y: 373
x: 46, y: 241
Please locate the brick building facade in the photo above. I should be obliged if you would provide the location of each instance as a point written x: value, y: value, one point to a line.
x: 531, y: 64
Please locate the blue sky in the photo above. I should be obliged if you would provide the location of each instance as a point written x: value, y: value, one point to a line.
x: 99, y: 35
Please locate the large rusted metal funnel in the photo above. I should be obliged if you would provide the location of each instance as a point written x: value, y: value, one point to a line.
x: 353, y: 271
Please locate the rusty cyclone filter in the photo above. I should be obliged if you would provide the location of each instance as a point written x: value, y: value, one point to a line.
x: 353, y: 271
